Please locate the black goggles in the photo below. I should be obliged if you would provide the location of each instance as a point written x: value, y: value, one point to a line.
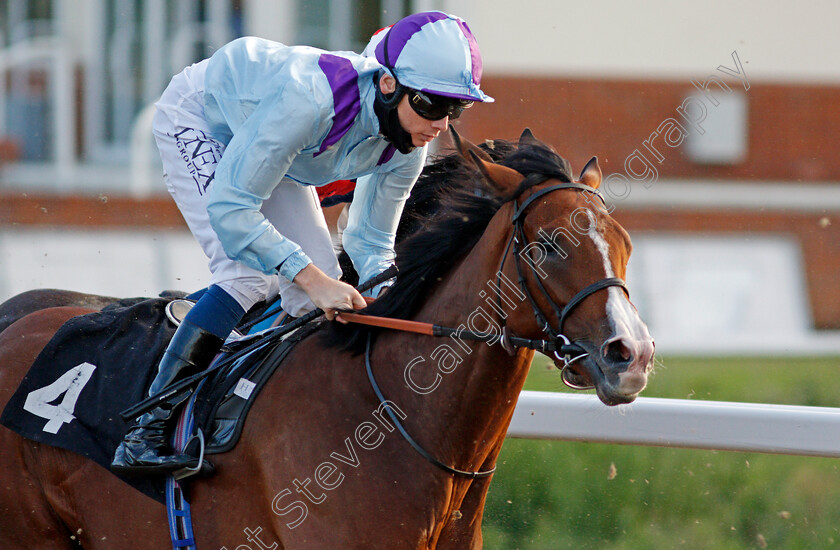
x: 436, y: 107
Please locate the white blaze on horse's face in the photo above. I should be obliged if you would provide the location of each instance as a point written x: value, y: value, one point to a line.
x: 630, y: 339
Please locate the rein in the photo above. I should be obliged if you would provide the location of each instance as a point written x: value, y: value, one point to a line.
x: 416, y: 446
x: 562, y: 347
x: 430, y: 329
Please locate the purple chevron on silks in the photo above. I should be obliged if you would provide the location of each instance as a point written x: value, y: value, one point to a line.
x: 386, y: 155
x: 344, y: 82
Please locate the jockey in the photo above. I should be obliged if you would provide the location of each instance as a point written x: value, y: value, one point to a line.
x: 245, y: 138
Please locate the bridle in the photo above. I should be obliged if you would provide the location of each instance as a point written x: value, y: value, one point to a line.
x: 563, y: 348
x: 557, y: 342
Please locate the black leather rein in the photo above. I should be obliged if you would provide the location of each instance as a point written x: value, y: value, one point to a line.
x: 563, y: 349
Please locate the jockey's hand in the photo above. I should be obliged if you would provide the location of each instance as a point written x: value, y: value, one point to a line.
x: 327, y: 293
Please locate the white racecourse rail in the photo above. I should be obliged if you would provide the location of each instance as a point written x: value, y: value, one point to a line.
x: 746, y: 427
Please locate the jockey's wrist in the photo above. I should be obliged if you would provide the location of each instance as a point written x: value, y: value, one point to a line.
x: 309, y: 276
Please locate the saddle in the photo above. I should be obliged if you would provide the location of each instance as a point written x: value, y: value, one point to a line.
x: 224, y: 398
x: 97, y: 365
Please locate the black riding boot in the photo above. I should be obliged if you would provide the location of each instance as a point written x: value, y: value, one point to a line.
x: 145, y: 448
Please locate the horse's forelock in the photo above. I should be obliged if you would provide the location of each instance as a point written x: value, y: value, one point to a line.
x: 539, y: 159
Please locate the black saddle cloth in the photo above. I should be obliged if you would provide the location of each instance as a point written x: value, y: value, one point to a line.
x: 97, y: 365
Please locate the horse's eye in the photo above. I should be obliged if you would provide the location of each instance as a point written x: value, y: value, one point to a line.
x: 549, y: 247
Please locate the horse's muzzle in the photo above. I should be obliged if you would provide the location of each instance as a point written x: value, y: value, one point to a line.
x: 618, y: 369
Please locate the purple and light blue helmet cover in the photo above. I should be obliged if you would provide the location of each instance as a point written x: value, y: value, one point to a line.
x: 432, y: 52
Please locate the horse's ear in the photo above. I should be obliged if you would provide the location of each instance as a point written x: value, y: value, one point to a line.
x: 464, y: 147
x: 527, y: 137
x: 501, y: 178
x: 591, y: 174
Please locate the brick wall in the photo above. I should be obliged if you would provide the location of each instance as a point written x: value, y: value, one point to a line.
x: 792, y: 128
x: 21, y: 209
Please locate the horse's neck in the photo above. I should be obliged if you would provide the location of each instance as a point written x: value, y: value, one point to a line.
x: 463, y: 409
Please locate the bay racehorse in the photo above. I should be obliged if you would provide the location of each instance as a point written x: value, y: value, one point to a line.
x: 374, y: 438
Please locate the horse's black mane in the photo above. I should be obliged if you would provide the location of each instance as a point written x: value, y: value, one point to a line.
x: 448, y: 211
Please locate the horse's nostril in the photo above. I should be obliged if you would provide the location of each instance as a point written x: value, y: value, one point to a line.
x: 618, y: 352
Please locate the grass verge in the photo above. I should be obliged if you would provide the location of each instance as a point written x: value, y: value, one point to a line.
x: 548, y: 495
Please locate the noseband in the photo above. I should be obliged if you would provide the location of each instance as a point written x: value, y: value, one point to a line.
x: 563, y: 348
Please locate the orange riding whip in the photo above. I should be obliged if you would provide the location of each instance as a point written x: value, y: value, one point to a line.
x: 417, y: 327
